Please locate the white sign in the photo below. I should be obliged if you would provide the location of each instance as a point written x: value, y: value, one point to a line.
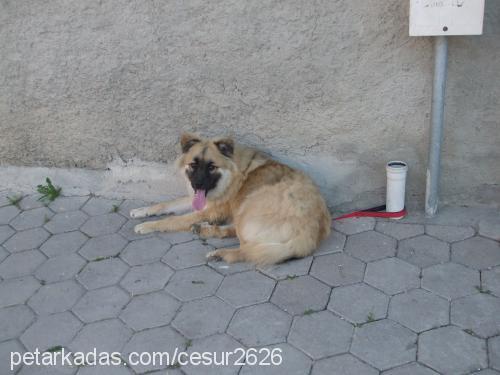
x: 446, y: 17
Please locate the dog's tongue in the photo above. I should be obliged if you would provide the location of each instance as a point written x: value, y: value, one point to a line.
x: 199, y: 200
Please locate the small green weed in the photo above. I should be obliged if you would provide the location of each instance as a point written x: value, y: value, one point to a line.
x: 14, y: 200
x: 308, y: 312
x: 48, y: 192
x: 480, y: 289
x: 115, y: 208
x: 370, y: 317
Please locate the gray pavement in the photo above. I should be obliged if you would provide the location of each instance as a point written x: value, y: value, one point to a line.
x: 385, y: 297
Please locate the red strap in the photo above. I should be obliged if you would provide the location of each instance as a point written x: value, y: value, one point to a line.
x: 368, y: 213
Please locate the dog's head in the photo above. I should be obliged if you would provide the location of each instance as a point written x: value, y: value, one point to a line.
x: 208, y: 166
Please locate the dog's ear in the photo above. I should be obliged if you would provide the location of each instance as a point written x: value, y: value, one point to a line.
x: 225, y: 146
x: 188, y: 140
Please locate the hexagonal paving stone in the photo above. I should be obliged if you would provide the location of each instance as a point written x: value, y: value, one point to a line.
x: 192, y: 283
x: 103, y: 224
x: 218, y: 343
x: 66, y: 222
x: 5, y: 233
x: 246, y: 288
x: 359, y: 303
x: 354, y: 225
x: 395, y: 344
x: 450, y: 350
x: 106, y: 336
x: 102, y: 273
x: 419, y: 310
x: 8, y: 213
x: 424, y: 251
x: 100, y: 206
x: 149, y: 311
x: 30, y: 202
x: 144, y: 251
x: 345, y: 364
x: 228, y: 269
x: 62, y: 267
x: 147, y: 278
x: 203, y: 317
x: 263, y: 324
x: 476, y: 252
x: 187, y: 255
x: 480, y: 313
x: 487, y: 371
x: 333, y: 244
x: 26, y: 240
x: 338, y: 269
x: 163, y: 339
x: 411, y: 369
x: 450, y: 280
x: 294, y: 362
x: 369, y: 246
x: 176, y: 238
x: 16, y: 291
x: 449, y: 233
x: 490, y: 227
x: 290, y: 268
x: 65, y: 204
x: 51, y: 330
x: 6, y: 348
x: 494, y: 352
x: 301, y: 294
x: 101, y: 304
x: 32, y: 218
x: 399, y: 231
x: 57, y: 297
x: 308, y: 333
x: 392, y: 275
x: 63, y: 244
x: 491, y: 280
x: 14, y: 320
x: 103, y: 246
x: 21, y: 264
x: 3, y: 253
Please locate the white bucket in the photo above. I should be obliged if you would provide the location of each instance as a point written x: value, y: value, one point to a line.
x: 396, y: 182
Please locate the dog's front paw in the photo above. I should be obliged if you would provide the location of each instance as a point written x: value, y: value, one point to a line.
x: 214, y: 255
x: 138, y: 213
x: 143, y: 228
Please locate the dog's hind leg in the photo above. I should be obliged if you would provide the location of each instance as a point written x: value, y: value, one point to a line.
x: 259, y: 254
x: 174, y: 207
x: 206, y: 230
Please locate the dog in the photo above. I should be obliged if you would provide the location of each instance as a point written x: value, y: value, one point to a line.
x: 276, y: 212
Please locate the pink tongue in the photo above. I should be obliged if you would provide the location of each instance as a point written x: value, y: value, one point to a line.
x: 199, y: 200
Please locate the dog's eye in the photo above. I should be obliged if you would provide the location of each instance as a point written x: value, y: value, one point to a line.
x: 211, y: 168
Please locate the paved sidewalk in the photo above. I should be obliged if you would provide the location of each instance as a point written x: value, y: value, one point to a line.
x: 409, y: 297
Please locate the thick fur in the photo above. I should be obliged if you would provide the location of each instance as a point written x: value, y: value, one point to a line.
x: 276, y: 211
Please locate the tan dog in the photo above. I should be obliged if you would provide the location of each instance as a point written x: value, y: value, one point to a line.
x: 276, y: 212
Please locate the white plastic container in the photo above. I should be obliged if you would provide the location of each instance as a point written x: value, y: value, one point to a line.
x: 396, y: 183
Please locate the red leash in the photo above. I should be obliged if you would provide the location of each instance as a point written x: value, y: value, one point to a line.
x: 378, y: 211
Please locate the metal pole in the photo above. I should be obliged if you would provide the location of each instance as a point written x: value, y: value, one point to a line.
x: 436, y: 131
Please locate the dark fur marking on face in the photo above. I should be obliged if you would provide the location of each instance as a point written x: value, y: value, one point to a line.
x: 225, y: 147
x: 200, y: 175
